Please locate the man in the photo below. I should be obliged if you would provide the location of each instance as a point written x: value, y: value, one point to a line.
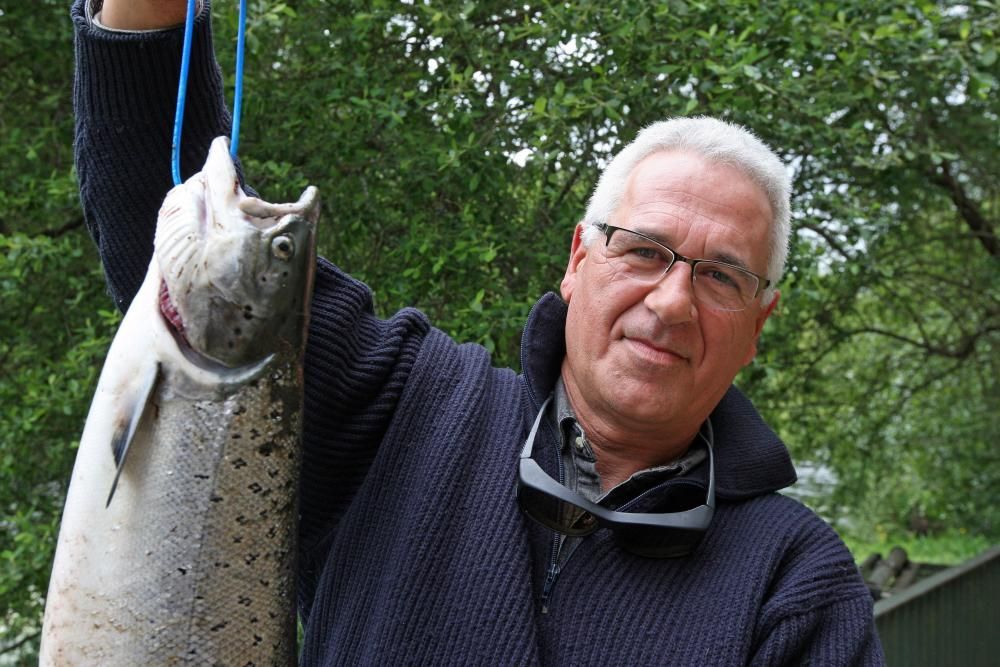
x: 614, y: 504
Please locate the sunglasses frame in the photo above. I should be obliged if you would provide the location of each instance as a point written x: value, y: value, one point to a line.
x: 531, y: 476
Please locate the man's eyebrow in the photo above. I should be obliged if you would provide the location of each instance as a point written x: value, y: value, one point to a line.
x: 726, y: 258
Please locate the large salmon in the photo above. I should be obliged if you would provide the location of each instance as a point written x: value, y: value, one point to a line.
x: 178, y: 538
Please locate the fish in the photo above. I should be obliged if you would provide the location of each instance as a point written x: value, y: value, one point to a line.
x: 178, y: 539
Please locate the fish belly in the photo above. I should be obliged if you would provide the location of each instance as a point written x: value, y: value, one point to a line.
x: 193, y: 562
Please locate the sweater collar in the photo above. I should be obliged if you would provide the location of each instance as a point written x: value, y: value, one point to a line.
x: 750, y: 459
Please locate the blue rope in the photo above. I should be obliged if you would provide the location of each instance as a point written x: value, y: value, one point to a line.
x: 238, y: 97
x: 175, y: 148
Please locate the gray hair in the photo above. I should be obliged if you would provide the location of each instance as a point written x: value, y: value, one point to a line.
x: 715, y: 140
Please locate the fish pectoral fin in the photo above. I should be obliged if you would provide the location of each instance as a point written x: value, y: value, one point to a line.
x: 134, y: 403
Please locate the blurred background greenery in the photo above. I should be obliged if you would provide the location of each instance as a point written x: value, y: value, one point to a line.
x: 455, y: 145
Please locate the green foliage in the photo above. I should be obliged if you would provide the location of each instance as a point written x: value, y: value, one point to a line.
x: 455, y: 145
x: 948, y: 548
x: 53, y: 336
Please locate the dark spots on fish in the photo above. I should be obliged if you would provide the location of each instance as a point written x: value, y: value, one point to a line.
x: 230, y: 344
x: 257, y: 639
x: 216, y: 499
x: 219, y: 626
x: 254, y: 620
x: 266, y: 583
x: 271, y: 614
x: 266, y: 449
x: 220, y: 565
x: 247, y: 316
x: 263, y: 279
x: 255, y: 487
x: 237, y: 331
x: 240, y: 409
x: 251, y: 559
x: 254, y: 434
x: 272, y: 473
x: 275, y: 415
x: 244, y: 600
x: 236, y: 436
x: 238, y: 539
x: 242, y: 520
x: 201, y: 477
x: 182, y: 570
x: 239, y: 463
x: 272, y: 532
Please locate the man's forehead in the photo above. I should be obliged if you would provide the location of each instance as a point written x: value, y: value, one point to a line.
x: 673, y: 195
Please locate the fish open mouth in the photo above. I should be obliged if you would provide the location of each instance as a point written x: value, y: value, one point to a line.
x: 170, y: 314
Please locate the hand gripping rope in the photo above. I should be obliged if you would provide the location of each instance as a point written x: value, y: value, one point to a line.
x: 175, y: 149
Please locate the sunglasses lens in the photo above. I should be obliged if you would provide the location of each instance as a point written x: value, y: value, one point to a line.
x: 651, y: 542
x: 555, y: 513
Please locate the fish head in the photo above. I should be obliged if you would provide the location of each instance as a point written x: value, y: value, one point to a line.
x: 237, y: 271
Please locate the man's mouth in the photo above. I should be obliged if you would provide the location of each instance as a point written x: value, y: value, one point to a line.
x: 654, y: 352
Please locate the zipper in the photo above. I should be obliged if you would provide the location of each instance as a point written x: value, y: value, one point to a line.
x: 553, y: 572
x: 550, y: 582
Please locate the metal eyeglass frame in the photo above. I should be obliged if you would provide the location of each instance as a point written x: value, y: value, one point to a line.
x: 762, y: 283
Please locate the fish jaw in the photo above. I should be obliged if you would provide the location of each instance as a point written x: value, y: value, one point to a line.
x: 238, y: 270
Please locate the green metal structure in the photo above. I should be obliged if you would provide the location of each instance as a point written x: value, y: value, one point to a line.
x: 950, y: 618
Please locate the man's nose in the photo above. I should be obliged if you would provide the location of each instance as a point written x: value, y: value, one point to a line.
x: 672, y: 297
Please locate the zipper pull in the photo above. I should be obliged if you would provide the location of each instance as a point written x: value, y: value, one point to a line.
x: 550, y: 580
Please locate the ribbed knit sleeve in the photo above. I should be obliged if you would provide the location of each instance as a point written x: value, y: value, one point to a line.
x: 124, y: 96
x: 818, y: 611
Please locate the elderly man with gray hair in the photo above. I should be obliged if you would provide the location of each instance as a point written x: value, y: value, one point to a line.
x: 615, y: 503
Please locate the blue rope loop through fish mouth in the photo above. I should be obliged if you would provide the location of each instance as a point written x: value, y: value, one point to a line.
x: 175, y: 147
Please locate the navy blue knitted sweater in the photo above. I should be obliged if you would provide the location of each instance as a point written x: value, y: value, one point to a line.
x: 413, y: 549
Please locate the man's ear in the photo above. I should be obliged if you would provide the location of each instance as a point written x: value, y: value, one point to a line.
x: 761, y: 318
x: 577, y: 253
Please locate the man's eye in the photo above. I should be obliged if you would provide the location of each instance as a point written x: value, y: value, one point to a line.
x: 646, y: 253
x: 721, y: 277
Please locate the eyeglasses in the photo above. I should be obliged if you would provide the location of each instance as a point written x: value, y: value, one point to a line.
x: 664, y: 535
x: 715, y: 284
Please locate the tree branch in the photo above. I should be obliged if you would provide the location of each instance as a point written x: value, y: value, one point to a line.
x: 56, y: 232
x: 981, y: 228
x: 19, y: 643
x: 961, y: 350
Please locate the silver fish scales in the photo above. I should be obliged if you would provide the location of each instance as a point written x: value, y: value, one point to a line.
x: 178, y: 539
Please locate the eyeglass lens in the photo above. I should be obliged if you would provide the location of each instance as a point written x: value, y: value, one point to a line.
x: 715, y: 284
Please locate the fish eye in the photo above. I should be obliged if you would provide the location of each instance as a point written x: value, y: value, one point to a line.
x: 282, y: 247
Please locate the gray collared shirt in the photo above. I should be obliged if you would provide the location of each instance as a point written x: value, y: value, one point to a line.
x: 580, y: 464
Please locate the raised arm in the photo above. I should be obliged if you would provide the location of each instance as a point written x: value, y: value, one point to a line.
x: 142, y: 14
x: 124, y: 96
